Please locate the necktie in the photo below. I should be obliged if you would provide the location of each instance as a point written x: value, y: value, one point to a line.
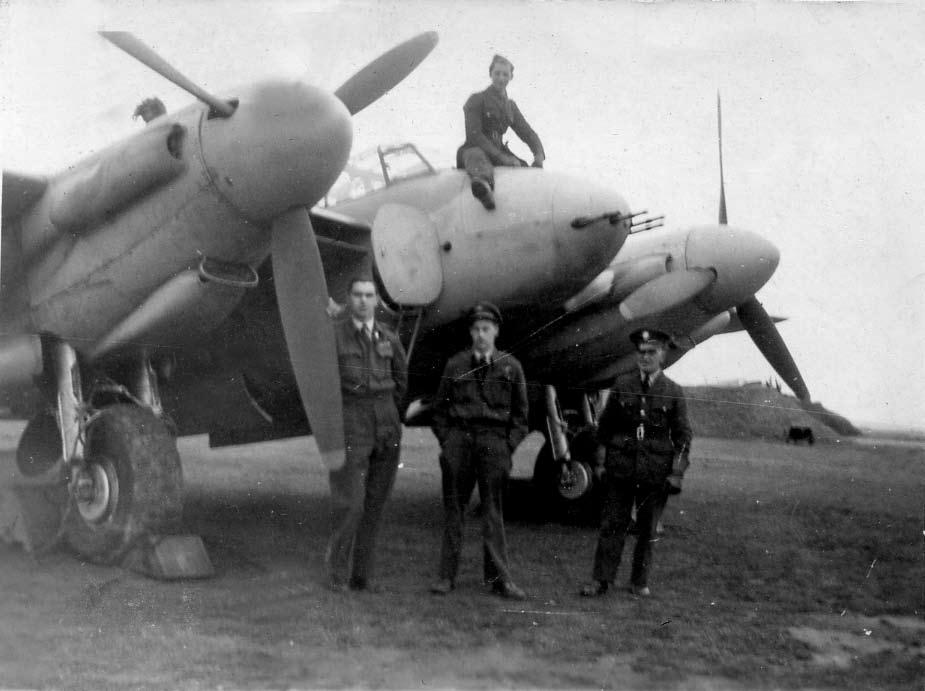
x: 366, y: 333
x: 480, y: 365
x: 645, y: 383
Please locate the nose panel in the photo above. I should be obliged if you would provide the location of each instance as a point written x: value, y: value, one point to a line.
x: 284, y: 146
x: 584, y: 252
x: 743, y: 262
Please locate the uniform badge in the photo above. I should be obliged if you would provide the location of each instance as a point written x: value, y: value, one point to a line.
x: 384, y: 348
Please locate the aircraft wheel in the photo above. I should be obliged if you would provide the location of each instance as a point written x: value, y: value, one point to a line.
x: 574, y: 501
x: 130, y: 485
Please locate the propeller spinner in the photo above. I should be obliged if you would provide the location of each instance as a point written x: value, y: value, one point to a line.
x: 301, y: 287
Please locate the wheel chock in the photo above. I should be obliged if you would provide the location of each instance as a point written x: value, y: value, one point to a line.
x: 170, y: 557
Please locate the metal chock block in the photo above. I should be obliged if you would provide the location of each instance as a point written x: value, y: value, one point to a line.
x: 170, y: 557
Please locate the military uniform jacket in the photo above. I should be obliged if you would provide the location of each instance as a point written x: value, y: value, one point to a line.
x: 482, y: 396
x: 643, y: 433
x: 373, y: 380
x: 488, y: 115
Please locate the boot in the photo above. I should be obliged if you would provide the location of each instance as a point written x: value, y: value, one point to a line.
x: 481, y: 190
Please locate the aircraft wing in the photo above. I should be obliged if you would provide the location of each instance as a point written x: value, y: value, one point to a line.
x: 340, y: 228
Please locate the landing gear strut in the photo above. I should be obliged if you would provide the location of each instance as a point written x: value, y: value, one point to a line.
x: 563, y: 475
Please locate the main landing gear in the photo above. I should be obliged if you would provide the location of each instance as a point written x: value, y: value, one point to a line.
x: 109, y: 458
x: 563, y: 476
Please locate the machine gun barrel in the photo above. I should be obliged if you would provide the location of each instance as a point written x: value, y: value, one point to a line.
x: 647, y: 224
x: 613, y: 217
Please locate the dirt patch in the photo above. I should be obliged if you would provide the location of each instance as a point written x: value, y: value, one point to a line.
x: 846, y: 640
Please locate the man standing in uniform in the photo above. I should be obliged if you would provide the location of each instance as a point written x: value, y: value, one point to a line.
x: 480, y: 417
x: 643, y: 445
x: 488, y: 115
x: 373, y: 380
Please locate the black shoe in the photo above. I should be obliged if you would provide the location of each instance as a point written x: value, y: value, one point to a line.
x: 595, y: 589
x: 442, y: 587
x: 482, y: 191
x: 507, y: 589
x: 640, y: 591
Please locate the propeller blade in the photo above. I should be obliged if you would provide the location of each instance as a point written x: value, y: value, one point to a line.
x: 761, y: 328
x: 385, y: 72
x: 722, y: 186
x: 132, y: 45
x: 302, y: 296
x: 665, y: 292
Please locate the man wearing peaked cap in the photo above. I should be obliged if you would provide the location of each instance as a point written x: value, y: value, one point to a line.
x: 643, y: 440
x: 484, y: 310
x: 653, y: 336
x: 480, y: 416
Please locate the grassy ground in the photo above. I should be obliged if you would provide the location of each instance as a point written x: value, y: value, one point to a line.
x: 782, y: 567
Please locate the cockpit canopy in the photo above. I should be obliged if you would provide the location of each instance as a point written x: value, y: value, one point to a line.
x: 377, y: 168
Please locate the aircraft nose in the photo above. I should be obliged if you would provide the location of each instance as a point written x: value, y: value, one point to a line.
x: 742, y: 260
x: 284, y: 146
x: 585, y: 249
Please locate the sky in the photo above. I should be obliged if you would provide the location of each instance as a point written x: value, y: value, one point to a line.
x: 823, y: 132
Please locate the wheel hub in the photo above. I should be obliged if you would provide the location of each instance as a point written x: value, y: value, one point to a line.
x: 95, y: 492
x: 575, y: 480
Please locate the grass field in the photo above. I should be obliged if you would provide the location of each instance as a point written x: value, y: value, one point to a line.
x: 781, y: 567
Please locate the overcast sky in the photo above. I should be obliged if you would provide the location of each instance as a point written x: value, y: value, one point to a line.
x: 823, y: 132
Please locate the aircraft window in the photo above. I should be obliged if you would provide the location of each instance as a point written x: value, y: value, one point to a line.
x: 361, y: 175
x: 374, y: 169
x: 403, y: 162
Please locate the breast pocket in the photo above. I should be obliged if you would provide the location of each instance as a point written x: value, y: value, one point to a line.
x: 658, y: 416
x: 497, y: 392
x: 352, y: 369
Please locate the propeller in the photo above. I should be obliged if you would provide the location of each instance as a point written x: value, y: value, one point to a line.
x: 132, y: 45
x: 761, y: 328
x: 302, y: 297
x: 758, y: 324
x: 385, y: 72
x: 300, y: 283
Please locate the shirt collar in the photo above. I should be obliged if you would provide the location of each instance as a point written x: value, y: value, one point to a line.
x: 369, y: 324
x: 652, y: 377
x: 486, y: 357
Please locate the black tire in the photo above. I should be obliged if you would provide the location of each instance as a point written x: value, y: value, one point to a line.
x: 551, y: 504
x: 138, y: 455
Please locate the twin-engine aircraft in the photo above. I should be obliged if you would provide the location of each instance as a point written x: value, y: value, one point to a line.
x: 179, y: 281
x: 572, y: 337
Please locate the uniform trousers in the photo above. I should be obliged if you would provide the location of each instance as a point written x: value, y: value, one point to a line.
x: 359, y: 491
x: 619, y: 496
x: 475, y: 456
x: 478, y: 165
